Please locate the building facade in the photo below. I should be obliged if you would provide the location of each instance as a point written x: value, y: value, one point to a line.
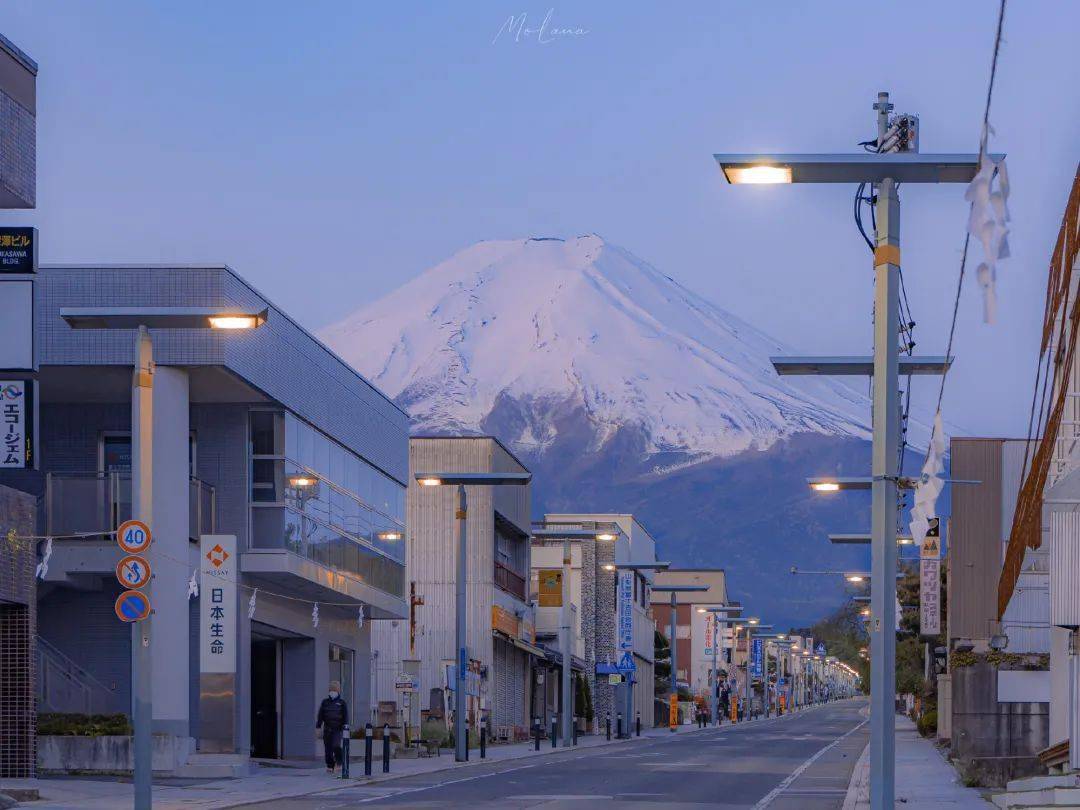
x: 695, y: 626
x: 596, y: 567
x: 501, y: 633
x: 999, y: 696
x: 18, y: 125
x: 261, y: 435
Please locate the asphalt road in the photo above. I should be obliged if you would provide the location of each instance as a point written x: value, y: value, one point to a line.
x: 801, y: 761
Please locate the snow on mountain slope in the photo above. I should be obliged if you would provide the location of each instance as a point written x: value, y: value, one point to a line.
x: 583, y: 323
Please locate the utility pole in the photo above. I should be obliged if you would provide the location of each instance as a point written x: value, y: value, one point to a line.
x: 461, y: 744
x: 886, y: 439
x: 142, y: 501
x: 564, y: 642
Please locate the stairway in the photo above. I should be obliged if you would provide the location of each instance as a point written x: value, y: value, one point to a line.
x: 1037, y: 792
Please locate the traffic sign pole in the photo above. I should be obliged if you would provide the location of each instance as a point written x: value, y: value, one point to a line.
x: 142, y: 432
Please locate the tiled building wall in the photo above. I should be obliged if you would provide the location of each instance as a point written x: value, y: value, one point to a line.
x: 18, y: 127
x: 604, y: 584
x: 18, y: 618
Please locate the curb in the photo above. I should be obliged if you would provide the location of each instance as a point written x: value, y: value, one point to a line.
x: 858, y: 779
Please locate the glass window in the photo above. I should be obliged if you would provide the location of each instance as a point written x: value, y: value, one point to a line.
x: 266, y: 480
x: 264, y: 433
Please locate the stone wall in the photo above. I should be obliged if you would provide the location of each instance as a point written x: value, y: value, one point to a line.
x: 994, y: 742
x: 18, y: 628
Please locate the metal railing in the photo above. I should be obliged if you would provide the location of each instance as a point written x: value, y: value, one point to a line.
x: 64, y: 686
x: 98, y: 502
x: 510, y: 581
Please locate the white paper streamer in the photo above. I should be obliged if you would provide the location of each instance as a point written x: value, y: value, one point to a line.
x: 251, y: 603
x: 315, y: 615
x: 988, y: 222
x: 43, y: 566
x: 193, y: 584
x: 360, y: 618
x: 930, y: 484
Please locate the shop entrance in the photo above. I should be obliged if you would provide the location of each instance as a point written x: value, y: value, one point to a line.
x: 265, y: 696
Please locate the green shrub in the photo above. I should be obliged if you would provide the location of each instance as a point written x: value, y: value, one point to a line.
x: 927, y: 724
x: 83, y: 725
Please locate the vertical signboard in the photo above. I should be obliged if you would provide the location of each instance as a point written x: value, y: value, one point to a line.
x: 549, y: 581
x: 625, y: 612
x: 757, y: 651
x: 930, y: 581
x: 217, y: 642
x: 17, y: 424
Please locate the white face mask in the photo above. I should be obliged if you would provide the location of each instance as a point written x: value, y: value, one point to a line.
x: 333, y: 695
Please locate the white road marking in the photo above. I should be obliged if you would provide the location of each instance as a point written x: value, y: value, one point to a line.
x: 776, y: 791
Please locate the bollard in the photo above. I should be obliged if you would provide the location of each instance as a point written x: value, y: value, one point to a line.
x: 367, y: 749
x: 483, y: 741
x: 618, y: 727
x: 639, y: 724
x: 345, y: 752
x: 386, y: 748
x: 468, y: 727
x: 609, y: 726
x: 554, y: 722
x: 536, y: 731
x: 574, y: 731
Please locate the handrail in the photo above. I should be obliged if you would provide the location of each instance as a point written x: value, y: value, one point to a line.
x: 72, y: 664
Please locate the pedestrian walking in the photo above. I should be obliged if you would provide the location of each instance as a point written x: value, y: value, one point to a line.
x: 332, y: 718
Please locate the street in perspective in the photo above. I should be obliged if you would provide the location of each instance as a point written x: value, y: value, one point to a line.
x: 537, y: 407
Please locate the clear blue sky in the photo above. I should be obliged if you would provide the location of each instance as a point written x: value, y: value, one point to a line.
x: 331, y: 150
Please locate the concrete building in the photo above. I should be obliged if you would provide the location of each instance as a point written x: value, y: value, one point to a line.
x: 18, y: 615
x: 999, y: 698
x: 500, y: 624
x: 263, y: 435
x: 596, y: 566
x: 694, y: 630
x: 18, y: 125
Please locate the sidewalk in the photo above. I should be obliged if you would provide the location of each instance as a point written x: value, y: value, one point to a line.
x: 924, y: 779
x: 106, y: 793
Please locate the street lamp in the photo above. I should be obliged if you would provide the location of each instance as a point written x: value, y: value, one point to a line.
x: 714, y: 681
x: 885, y: 171
x: 462, y: 480
x: 142, y: 320
x: 675, y: 590
x: 608, y: 532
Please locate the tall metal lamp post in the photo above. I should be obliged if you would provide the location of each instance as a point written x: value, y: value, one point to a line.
x: 462, y: 480
x: 884, y: 170
x: 675, y: 590
x: 721, y: 615
x: 142, y: 320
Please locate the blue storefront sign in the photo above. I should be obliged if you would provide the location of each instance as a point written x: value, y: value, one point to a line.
x: 757, y: 655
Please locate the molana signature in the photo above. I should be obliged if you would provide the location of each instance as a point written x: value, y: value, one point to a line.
x: 544, y: 34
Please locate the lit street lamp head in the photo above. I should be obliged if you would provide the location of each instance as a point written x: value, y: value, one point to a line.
x: 491, y: 479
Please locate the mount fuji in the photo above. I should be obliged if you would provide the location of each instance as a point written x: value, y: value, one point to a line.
x: 624, y: 391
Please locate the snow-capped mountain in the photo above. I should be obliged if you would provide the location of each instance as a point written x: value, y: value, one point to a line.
x: 581, y: 325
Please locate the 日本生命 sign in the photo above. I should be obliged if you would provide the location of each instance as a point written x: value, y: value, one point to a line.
x: 625, y: 613
x: 16, y: 424
x: 18, y: 249
x: 217, y: 603
x: 134, y: 537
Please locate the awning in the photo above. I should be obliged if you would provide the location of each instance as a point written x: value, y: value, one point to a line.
x: 521, y: 644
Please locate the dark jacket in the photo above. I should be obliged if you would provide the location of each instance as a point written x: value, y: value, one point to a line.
x: 334, y: 712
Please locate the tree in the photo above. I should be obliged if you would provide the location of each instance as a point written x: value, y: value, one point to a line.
x: 843, y: 634
x: 661, y: 664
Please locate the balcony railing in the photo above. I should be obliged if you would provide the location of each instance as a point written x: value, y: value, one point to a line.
x: 98, y: 502
x: 510, y: 581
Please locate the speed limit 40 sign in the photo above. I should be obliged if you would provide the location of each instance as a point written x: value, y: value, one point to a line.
x: 133, y: 536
